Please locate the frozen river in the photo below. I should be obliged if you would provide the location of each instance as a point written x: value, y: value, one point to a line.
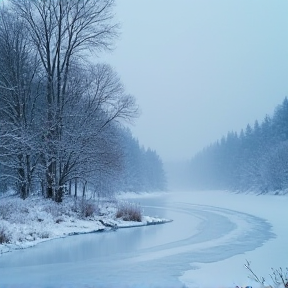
x: 206, y: 229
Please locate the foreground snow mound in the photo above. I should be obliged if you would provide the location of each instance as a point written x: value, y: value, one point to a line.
x: 24, y: 223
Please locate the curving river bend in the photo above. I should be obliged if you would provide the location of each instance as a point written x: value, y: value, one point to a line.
x: 152, y: 256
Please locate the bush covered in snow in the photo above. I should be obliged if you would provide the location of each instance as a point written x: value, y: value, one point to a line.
x: 129, y: 212
x: 85, y: 208
x: 4, y: 235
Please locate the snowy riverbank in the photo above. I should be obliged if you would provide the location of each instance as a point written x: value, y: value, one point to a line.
x: 25, y: 223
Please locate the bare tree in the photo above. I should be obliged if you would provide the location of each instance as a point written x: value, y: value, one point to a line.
x: 61, y: 32
x: 89, y: 143
x: 19, y: 94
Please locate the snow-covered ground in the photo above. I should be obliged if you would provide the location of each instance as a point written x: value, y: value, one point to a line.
x: 28, y: 222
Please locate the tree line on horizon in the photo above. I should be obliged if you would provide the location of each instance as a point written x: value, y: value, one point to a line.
x: 256, y: 159
x: 62, y: 115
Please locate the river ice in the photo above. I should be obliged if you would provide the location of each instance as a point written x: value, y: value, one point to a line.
x: 207, y: 244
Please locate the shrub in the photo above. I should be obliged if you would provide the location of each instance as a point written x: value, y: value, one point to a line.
x: 129, y: 212
x: 53, y: 208
x: 278, y: 276
x: 7, y: 208
x: 4, y: 235
x: 59, y: 220
x: 86, y: 208
x: 44, y: 235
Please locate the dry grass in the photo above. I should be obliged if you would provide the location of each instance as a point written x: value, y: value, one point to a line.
x: 129, y: 212
x: 85, y: 208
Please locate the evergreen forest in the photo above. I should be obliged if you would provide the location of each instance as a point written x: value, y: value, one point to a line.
x: 256, y: 159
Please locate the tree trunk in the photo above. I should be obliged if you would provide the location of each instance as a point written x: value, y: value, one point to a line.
x: 70, y: 188
x: 22, y: 183
x: 75, y: 188
x: 84, y: 189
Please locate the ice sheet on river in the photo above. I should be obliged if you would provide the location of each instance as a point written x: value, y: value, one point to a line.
x: 140, y: 257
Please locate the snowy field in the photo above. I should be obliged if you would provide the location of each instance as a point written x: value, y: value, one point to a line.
x: 207, y: 244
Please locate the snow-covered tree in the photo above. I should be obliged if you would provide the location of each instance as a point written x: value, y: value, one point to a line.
x: 20, y: 87
x: 61, y: 33
x: 256, y: 160
x: 62, y: 116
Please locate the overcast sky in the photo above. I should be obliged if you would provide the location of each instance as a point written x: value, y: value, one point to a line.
x: 200, y: 68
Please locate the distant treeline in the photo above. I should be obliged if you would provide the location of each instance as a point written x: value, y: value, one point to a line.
x: 141, y: 169
x: 254, y: 160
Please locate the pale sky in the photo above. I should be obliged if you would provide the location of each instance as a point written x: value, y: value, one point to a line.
x: 200, y: 68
